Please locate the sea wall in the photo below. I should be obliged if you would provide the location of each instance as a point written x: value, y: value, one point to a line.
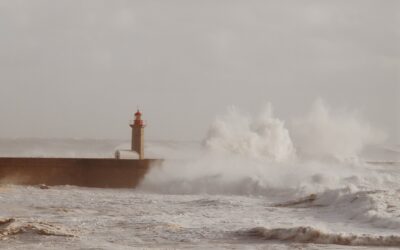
x: 111, y: 173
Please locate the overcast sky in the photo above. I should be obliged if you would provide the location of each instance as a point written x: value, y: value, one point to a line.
x: 80, y: 68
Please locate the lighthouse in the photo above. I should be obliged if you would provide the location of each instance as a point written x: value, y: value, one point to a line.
x: 137, y: 143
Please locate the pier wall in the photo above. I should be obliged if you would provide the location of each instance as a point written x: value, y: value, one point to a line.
x: 104, y: 173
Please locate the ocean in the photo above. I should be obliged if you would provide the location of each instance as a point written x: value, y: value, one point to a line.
x: 325, y: 183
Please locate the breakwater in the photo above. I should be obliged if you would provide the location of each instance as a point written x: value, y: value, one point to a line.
x: 87, y: 172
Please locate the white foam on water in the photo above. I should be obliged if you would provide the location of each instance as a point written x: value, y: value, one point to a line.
x: 317, y: 236
x: 234, y: 182
x: 316, y: 156
x: 11, y: 227
x: 379, y: 208
x: 245, y: 155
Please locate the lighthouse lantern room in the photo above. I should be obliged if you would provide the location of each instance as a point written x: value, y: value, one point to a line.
x: 137, y: 143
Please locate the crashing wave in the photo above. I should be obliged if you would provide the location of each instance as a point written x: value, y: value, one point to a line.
x: 316, y: 236
x: 307, y: 201
x: 379, y: 208
x: 11, y: 226
x: 258, y: 155
x: 264, y: 137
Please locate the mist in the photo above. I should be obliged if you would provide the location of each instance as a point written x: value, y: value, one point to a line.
x: 263, y: 155
x: 80, y: 70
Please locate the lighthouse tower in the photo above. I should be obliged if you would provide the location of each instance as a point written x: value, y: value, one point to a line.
x: 137, y: 143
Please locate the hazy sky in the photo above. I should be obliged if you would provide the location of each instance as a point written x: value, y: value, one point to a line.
x: 80, y: 68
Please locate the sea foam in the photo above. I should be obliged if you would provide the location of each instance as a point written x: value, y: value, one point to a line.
x: 260, y: 155
x: 317, y: 236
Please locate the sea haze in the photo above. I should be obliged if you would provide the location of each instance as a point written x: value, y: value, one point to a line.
x: 251, y: 183
x: 277, y: 122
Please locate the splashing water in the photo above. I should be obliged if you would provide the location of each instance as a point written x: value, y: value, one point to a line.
x: 245, y: 155
x: 314, y: 235
x: 323, y: 133
x: 272, y: 181
x: 262, y: 138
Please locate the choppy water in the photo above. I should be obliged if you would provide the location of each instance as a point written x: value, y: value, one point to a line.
x: 207, y: 209
x: 83, y: 218
x: 252, y: 183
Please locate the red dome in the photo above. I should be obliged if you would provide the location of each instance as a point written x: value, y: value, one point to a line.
x: 138, y: 113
